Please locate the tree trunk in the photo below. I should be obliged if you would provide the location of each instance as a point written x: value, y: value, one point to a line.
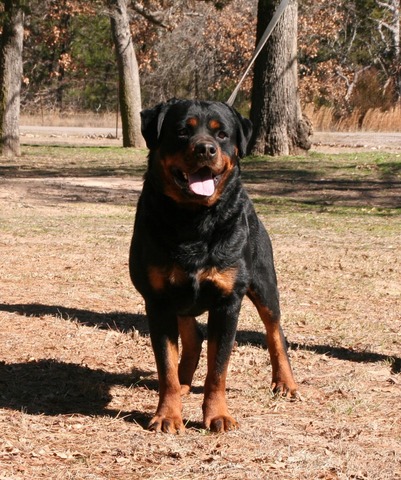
x: 11, y: 42
x: 129, y: 86
x: 279, y: 126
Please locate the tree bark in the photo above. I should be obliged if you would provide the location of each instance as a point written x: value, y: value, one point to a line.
x: 129, y: 85
x: 11, y: 42
x: 279, y: 126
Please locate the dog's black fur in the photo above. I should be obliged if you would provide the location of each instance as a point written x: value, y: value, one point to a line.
x: 199, y: 246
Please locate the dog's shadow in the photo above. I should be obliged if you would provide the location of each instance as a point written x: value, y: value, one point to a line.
x: 127, y: 322
x: 120, y: 321
x: 52, y: 387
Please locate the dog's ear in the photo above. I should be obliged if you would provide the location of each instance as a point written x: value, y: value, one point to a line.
x: 152, y: 122
x: 244, y: 133
x: 150, y: 125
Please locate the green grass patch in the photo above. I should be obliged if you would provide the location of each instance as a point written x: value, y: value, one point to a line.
x: 352, y: 166
x: 271, y: 205
x: 65, y: 161
x: 70, y: 160
x: 341, y: 184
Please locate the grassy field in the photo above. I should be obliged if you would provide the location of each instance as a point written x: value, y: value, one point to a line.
x: 78, y: 382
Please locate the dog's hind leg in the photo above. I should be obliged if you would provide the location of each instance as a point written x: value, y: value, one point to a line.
x: 191, y: 339
x: 266, y: 302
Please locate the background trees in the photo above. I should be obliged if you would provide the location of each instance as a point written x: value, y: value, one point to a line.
x: 348, y: 56
x: 68, y: 57
x: 350, y: 53
x: 11, y: 41
x: 204, y: 55
x: 183, y: 47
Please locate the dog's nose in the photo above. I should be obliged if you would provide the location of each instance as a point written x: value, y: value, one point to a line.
x: 205, y: 150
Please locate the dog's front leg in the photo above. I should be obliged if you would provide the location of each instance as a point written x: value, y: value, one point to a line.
x: 164, y: 336
x: 191, y: 338
x: 222, y: 325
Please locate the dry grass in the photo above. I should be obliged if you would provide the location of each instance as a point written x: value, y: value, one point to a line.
x: 77, y: 379
x: 375, y: 120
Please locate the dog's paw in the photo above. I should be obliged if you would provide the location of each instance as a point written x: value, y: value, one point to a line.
x: 221, y: 424
x: 167, y: 424
x: 285, y: 389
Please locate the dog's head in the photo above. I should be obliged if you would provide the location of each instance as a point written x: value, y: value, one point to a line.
x: 194, y: 146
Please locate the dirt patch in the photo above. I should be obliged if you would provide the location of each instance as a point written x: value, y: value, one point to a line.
x: 324, y: 142
x: 72, y: 189
x: 346, y: 142
x: 77, y: 376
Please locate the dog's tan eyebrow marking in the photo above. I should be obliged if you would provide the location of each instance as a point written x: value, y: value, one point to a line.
x: 193, y: 122
x: 214, y: 124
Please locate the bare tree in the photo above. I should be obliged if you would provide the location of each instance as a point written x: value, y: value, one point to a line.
x: 391, y: 26
x: 11, y: 42
x: 205, y: 53
x: 129, y: 86
x: 279, y: 126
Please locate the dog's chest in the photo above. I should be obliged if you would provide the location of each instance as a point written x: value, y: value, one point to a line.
x: 174, y: 280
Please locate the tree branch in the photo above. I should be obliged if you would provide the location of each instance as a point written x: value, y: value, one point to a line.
x: 391, y: 28
x: 390, y: 6
x: 351, y: 85
x: 157, y: 17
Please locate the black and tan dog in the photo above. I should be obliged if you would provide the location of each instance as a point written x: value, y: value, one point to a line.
x: 199, y: 246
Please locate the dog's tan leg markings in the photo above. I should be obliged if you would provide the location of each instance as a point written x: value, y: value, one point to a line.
x: 160, y: 277
x: 215, y: 411
x: 282, y: 378
x: 168, y: 418
x: 157, y: 277
x: 191, y: 340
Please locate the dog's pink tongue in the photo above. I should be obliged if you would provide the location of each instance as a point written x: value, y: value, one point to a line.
x: 201, y: 182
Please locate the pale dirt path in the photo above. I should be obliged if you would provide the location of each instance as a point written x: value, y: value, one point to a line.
x: 63, y: 135
x: 330, y: 142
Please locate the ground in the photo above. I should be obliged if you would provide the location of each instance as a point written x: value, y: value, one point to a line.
x: 77, y: 377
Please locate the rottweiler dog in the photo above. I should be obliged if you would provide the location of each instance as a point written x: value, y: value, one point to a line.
x: 198, y: 246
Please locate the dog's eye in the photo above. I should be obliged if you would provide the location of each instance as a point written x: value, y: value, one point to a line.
x: 183, y: 132
x: 222, y: 135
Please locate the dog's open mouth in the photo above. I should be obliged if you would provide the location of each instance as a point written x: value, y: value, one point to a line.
x: 203, y: 182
